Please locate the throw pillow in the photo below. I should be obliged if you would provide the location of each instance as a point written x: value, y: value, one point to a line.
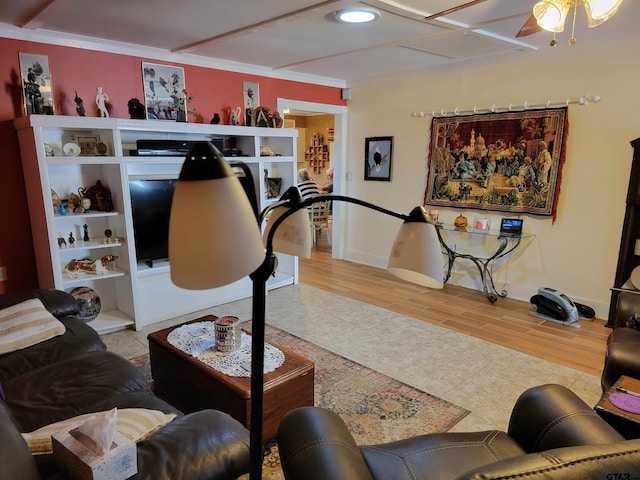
x: 136, y: 424
x: 25, y: 324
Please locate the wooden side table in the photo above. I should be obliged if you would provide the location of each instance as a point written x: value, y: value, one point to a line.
x: 625, y: 422
x: 197, y: 386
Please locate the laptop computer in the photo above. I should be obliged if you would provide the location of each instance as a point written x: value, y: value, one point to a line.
x: 511, y: 227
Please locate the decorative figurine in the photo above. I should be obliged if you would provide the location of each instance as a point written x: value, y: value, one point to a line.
x: 85, y: 201
x: 216, y: 119
x: 460, y: 222
x: 32, y: 88
x: 79, y: 105
x: 63, y: 207
x: 101, y: 99
x: 235, y: 116
x: 85, y: 227
x: 71, y: 238
x: 61, y: 241
x: 136, y: 109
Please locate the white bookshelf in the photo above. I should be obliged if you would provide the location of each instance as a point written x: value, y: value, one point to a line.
x: 132, y: 294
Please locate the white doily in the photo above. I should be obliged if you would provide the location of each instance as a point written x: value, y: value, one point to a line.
x: 199, y: 340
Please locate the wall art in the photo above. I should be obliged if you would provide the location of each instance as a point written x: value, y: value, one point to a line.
x: 164, y: 92
x: 378, y: 153
x: 506, y: 162
x: 36, y: 84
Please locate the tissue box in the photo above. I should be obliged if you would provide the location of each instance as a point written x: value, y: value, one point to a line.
x: 72, y: 451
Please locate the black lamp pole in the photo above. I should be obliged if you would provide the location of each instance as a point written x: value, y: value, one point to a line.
x: 259, y: 278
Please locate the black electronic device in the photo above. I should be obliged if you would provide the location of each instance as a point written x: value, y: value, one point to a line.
x: 151, y: 207
x: 170, y: 148
x: 511, y: 226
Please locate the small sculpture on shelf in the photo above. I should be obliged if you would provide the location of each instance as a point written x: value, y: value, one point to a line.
x: 85, y: 201
x: 136, y: 109
x: 101, y: 101
x: 75, y: 268
x: 71, y: 238
x: 235, y: 116
x: 74, y: 204
x: 85, y: 228
x: 61, y: 241
x: 79, y: 105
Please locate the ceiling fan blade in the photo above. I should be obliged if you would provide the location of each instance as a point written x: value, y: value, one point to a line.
x: 529, y: 28
x: 454, y: 9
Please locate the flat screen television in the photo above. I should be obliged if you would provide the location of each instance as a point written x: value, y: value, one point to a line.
x: 151, y: 208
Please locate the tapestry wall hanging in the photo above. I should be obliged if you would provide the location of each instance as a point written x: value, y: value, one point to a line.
x: 507, y: 162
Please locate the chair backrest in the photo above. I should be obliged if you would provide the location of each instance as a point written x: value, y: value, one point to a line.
x: 320, y: 212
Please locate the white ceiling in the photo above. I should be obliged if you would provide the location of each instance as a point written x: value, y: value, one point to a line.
x: 289, y: 38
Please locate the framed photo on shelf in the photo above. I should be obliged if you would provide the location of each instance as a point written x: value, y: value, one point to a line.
x: 88, y: 145
x: 164, y: 92
x: 378, y: 153
x: 37, y: 92
x: 251, y: 94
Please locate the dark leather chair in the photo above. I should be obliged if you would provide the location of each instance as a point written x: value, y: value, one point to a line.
x: 623, y: 345
x: 552, y: 434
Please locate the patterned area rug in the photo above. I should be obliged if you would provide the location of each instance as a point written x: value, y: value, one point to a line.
x: 375, y: 407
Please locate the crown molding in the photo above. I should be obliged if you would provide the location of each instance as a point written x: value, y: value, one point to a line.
x: 122, y: 48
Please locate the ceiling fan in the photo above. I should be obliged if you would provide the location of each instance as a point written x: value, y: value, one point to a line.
x: 551, y: 15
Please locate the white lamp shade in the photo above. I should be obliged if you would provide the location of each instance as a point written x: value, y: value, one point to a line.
x: 214, y: 238
x: 599, y: 11
x: 551, y: 14
x: 416, y: 255
x: 293, y: 235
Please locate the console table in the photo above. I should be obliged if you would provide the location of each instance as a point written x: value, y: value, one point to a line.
x: 504, y: 246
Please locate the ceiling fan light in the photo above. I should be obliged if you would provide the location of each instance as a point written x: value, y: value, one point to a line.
x: 356, y: 15
x: 551, y: 14
x: 599, y: 11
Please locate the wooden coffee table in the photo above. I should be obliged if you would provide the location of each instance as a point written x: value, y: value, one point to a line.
x: 195, y: 385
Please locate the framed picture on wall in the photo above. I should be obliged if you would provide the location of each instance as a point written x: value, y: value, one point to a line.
x: 164, y: 92
x: 378, y: 153
x: 36, y: 84
x: 251, y: 94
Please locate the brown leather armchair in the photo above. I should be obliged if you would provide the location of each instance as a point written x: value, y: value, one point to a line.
x: 623, y: 345
x: 552, y: 434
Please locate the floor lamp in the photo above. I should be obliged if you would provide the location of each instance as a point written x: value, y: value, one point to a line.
x: 214, y: 239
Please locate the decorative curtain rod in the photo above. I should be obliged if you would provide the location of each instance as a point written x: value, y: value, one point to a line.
x: 584, y: 100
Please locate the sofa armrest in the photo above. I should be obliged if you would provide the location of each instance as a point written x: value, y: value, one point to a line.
x: 15, y: 457
x: 552, y: 416
x: 627, y: 303
x: 322, y: 449
x: 208, y: 444
x: 613, y: 460
x: 59, y: 303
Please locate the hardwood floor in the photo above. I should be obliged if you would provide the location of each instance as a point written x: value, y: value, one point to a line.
x: 505, y: 322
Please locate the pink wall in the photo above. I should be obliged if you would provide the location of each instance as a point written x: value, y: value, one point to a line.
x: 120, y: 76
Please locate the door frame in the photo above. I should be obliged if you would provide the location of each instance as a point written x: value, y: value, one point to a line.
x: 339, y: 113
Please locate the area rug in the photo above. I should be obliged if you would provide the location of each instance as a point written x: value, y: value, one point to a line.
x: 375, y: 407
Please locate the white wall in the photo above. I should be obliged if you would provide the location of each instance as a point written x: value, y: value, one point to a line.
x: 578, y: 253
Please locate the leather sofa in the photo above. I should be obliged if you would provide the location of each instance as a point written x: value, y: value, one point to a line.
x: 73, y: 374
x: 552, y: 434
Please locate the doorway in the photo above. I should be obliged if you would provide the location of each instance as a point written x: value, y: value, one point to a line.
x: 316, y: 117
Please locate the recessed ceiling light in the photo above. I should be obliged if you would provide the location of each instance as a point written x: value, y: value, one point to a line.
x: 357, y: 15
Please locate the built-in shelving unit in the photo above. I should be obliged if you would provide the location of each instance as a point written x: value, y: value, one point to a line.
x: 132, y: 294
x: 317, y: 155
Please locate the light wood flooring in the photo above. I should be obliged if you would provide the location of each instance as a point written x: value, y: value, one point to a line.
x: 506, y: 322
